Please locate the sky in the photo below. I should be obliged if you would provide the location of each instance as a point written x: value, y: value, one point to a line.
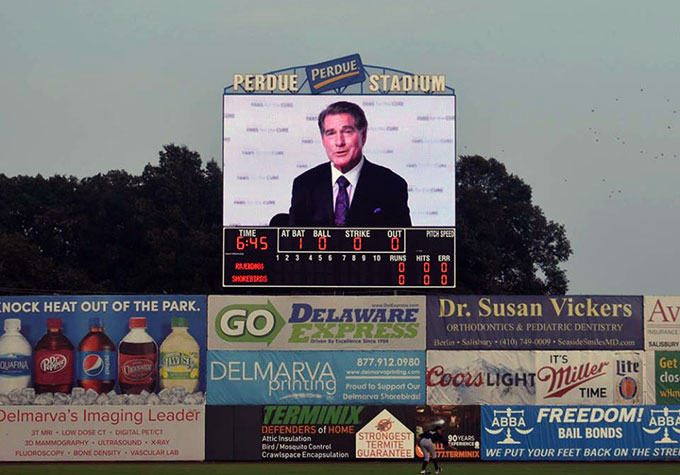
x: 580, y: 99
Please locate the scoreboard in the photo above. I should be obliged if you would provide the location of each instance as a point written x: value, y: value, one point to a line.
x: 339, y: 257
x: 270, y: 139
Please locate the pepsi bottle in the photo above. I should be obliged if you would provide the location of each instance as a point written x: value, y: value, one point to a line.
x: 96, y: 360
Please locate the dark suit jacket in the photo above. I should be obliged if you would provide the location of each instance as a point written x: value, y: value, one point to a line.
x: 380, y: 198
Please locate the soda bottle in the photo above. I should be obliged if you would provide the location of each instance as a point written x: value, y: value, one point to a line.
x: 15, y: 358
x: 137, y: 359
x: 53, y: 368
x: 96, y: 360
x: 179, y: 358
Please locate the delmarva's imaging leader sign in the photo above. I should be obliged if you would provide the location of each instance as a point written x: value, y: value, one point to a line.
x: 316, y: 323
x: 531, y: 322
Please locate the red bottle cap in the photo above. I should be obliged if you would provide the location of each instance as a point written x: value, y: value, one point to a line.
x: 54, y: 323
x: 138, y: 322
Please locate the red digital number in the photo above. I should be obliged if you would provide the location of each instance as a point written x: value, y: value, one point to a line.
x: 322, y: 243
x: 264, y: 245
x: 394, y: 243
x: 240, y: 243
x: 357, y: 244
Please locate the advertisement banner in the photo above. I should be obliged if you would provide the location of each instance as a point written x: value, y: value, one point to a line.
x: 79, y: 433
x: 524, y: 322
x: 580, y: 433
x: 480, y: 377
x: 534, y: 377
x: 102, y: 377
x: 53, y: 344
x: 589, y: 377
x: 461, y: 427
x: 662, y: 384
x: 315, y: 377
x: 316, y: 323
x: 662, y: 328
x: 304, y: 433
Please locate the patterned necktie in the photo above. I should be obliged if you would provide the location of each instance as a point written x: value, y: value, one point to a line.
x: 341, y: 202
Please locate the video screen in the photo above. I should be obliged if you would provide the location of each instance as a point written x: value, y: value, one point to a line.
x: 270, y: 140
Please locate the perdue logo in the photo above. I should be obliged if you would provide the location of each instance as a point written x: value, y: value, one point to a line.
x: 335, y: 73
x: 249, y: 323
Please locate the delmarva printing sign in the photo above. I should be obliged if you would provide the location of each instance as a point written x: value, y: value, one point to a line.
x: 316, y: 323
x: 526, y: 322
x: 313, y: 377
x: 580, y: 433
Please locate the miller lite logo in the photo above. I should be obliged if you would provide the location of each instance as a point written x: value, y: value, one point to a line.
x: 562, y: 378
x: 508, y: 420
x: 664, y: 420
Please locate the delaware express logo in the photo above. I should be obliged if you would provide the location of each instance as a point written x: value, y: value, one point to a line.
x: 262, y: 323
x: 249, y: 323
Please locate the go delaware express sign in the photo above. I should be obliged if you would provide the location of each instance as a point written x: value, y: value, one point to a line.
x: 316, y: 323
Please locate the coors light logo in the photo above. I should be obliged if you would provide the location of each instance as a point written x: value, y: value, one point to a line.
x: 53, y: 364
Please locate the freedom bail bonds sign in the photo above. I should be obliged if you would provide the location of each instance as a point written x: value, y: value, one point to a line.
x: 580, y: 433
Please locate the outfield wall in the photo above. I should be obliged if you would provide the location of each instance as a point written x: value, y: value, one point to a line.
x: 346, y: 378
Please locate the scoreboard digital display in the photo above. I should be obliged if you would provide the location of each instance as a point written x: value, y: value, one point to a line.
x: 269, y: 140
x: 340, y: 257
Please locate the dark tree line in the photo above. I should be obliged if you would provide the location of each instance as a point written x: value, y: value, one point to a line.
x: 161, y: 231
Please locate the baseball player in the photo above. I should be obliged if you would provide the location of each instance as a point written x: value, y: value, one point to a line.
x: 426, y: 443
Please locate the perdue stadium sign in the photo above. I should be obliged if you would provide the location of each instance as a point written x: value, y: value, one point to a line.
x: 336, y: 74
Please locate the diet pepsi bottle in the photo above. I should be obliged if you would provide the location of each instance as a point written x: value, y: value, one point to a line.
x: 15, y: 358
x: 137, y: 359
x: 53, y: 368
x: 96, y: 360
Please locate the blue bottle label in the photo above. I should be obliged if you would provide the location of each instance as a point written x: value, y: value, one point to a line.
x: 14, y: 366
x: 99, y: 365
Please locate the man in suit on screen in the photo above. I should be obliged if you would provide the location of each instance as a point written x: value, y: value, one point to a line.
x: 348, y: 190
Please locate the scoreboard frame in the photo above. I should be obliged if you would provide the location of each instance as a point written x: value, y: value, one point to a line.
x: 237, y: 262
